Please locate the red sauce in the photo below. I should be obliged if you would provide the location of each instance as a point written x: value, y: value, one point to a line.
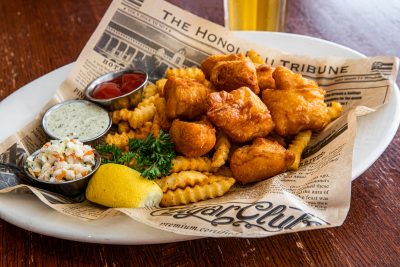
x: 118, y: 86
x: 131, y: 82
x: 106, y: 90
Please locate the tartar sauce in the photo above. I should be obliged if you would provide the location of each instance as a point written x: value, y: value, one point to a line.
x: 79, y: 119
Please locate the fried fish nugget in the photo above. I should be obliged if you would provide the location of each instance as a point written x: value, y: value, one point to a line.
x: 193, y: 139
x: 297, y: 103
x: 209, y: 63
x: 255, y: 57
x: 240, y: 114
x: 259, y: 161
x: 221, y: 151
x: 196, y: 193
x: 201, y: 164
x: 231, y: 75
x: 297, y: 146
x: 264, y: 76
x: 181, y: 180
x: 186, y: 99
x: 189, y: 73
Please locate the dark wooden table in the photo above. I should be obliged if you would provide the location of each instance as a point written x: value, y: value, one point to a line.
x: 37, y: 37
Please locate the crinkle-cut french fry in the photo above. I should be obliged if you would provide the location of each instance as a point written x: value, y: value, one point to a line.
x: 221, y: 151
x: 160, y: 104
x: 120, y: 103
x: 255, y: 57
x: 141, y: 115
x: 144, y: 111
x: 213, y: 178
x: 149, y: 90
x: 137, y: 117
x: 189, y: 73
x: 144, y: 131
x: 224, y: 171
x: 201, y: 164
x: 196, y: 193
x: 148, y: 101
x: 121, y: 140
x: 155, y: 128
x: 134, y: 99
x: 120, y: 115
x: 160, y: 86
x: 181, y: 180
x: 123, y: 127
x: 297, y: 146
x: 335, y: 110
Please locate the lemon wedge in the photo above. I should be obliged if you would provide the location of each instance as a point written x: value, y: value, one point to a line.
x: 118, y: 186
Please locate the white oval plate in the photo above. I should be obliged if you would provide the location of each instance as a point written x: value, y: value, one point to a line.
x: 28, y: 212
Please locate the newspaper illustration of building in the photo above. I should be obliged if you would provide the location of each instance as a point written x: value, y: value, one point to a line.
x: 129, y: 42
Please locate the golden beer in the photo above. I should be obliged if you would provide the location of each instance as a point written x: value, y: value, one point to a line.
x: 255, y: 15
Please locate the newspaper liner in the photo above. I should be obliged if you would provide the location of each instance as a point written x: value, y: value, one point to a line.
x: 154, y: 35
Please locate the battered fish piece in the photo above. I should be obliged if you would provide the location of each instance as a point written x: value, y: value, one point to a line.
x: 186, y: 98
x: 240, y: 114
x: 264, y: 76
x: 297, y: 103
x: 208, y: 64
x: 259, y: 161
x: 193, y: 139
x: 231, y: 75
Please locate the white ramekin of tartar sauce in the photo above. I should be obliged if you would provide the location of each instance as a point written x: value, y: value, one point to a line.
x: 78, y: 119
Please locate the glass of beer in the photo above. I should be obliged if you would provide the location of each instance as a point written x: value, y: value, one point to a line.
x: 255, y: 15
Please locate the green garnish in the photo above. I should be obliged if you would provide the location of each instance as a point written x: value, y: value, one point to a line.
x: 109, y: 153
x: 151, y: 157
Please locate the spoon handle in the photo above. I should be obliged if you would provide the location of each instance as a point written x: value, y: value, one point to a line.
x: 17, y: 171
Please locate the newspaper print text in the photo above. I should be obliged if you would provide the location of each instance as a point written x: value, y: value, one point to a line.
x: 261, y: 215
x: 201, y: 32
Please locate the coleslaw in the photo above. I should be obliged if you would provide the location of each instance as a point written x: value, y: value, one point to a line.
x: 62, y: 160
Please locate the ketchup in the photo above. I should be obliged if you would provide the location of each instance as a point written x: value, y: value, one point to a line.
x: 106, y: 90
x: 119, y: 86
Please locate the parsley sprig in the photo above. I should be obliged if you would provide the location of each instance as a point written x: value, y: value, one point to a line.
x: 151, y: 157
